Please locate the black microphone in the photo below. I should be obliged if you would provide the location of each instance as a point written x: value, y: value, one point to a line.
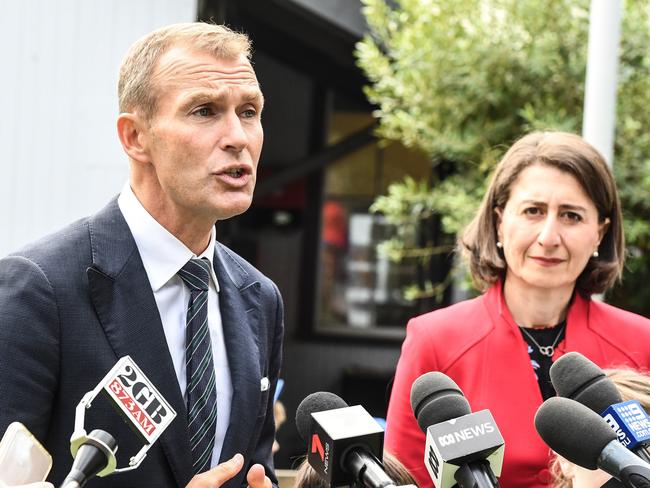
x: 584, y: 438
x: 613, y: 483
x: 462, y: 448
x: 345, y: 443
x: 93, y: 456
x: 576, y: 377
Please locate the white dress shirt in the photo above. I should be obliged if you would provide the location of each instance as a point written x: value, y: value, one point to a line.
x: 163, y: 255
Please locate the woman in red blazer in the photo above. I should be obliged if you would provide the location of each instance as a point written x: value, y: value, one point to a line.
x: 547, y: 236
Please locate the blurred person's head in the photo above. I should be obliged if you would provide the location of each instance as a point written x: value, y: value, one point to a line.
x: 632, y: 385
x: 279, y: 417
x: 550, y: 218
x: 307, y: 477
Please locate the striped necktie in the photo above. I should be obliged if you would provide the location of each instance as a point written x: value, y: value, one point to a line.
x: 201, y: 390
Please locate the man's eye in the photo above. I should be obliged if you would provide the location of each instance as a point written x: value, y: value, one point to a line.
x: 203, y: 111
x: 249, y: 114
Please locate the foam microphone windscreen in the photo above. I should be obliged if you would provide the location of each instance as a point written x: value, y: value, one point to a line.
x: 573, y: 431
x: 316, y: 402
x: 436, y: 398
x: 576, y: 377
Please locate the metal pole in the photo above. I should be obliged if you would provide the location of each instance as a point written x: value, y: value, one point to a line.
x: 599, y: 120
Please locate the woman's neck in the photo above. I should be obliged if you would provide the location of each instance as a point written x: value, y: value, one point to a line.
x: 536, y: 307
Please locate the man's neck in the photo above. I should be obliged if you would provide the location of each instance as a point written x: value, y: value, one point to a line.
x: 193, y: 230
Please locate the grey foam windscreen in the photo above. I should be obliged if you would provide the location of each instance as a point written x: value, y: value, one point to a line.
x: 576, y: 377
x: 573, y: 431
x: 316, y: 402
x: 436, y: 398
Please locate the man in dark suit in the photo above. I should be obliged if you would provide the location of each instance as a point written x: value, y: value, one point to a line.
x: 144, y: 276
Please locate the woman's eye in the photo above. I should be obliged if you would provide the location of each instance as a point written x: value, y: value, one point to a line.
x: 532, y: 211
x: 573, y: 217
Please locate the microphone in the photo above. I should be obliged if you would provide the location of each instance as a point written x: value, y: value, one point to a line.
x: 93, y: 456
x: 143, y: 408
x: 23, y: 459
x: 584, y: 438
x: 462, y: 448
x: 345, y: 443
x: 576, y: 377
x: 613, y: 483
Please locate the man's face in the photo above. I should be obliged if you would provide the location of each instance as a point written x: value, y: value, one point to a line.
x: 205, y: 138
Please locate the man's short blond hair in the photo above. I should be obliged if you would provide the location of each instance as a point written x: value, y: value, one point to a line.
x: 136, y: 88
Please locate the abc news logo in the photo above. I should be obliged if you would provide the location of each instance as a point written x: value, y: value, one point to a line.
x: 434, y: 462
x: 451, y: 438
x: 466, y: 434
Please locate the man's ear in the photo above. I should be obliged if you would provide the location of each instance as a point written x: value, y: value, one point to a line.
x: 133, y: 132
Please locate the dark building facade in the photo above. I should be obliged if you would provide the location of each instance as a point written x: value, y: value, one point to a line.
x: 309, y: 228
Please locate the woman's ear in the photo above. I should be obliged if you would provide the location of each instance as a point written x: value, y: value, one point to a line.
x: 498, y: 212
x: 602, y: 229
x: 133, y: 132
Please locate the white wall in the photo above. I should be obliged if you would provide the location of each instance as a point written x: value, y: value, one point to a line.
x: 60, y: 158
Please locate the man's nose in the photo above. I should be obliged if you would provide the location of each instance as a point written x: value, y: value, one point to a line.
x: 233, y: 137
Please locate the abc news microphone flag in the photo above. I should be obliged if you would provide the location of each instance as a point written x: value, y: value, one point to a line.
x: 452, y: 443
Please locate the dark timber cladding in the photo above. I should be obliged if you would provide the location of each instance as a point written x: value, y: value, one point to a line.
x: 313, y: 36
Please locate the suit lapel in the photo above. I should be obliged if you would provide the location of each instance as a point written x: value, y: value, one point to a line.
x: 239, y: 298
x: 122, y: 297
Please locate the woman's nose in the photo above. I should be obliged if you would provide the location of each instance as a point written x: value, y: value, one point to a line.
x: 549, y: 234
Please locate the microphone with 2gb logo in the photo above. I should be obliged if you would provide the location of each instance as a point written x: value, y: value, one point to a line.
x: 143, y: 408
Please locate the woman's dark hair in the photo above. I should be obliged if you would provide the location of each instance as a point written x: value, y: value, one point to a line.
x: 568, y: 153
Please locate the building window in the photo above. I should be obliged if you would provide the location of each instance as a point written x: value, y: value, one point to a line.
x: 360, y: 292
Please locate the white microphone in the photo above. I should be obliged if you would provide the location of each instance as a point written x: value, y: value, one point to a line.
x: 23, y: 460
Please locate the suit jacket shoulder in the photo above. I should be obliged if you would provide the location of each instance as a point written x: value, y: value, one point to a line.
x: 241, y: 271
x: 71, y: 243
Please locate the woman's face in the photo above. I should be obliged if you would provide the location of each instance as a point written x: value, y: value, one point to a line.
x: 549, y: 229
